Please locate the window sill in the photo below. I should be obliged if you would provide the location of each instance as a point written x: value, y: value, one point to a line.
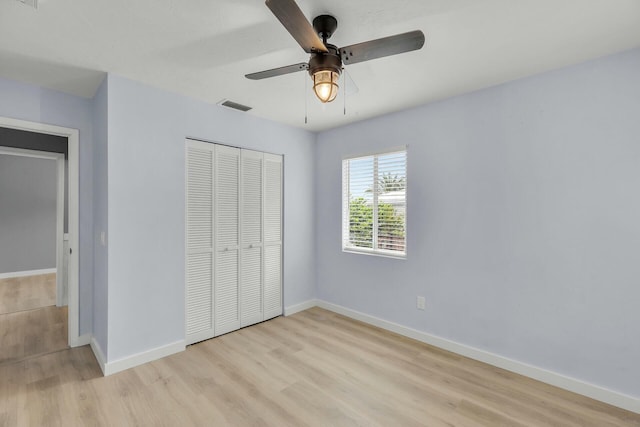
x: 379, y: 253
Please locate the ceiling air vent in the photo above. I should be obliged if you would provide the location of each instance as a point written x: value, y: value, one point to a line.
x: 32, y: 3
x: 234, y: 105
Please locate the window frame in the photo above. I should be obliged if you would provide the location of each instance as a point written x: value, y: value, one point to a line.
x: 346, y: 173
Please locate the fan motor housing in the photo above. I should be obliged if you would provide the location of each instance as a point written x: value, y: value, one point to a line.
x: 325, y: 26
x: 321, y: 61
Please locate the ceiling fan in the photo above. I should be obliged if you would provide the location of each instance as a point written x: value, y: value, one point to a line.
x: 326, y: 62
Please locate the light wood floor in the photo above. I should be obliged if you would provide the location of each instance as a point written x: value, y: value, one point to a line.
x: 32, y: 332
x: 26, y: 293
x: 30, y: 323
x: 312, y: 368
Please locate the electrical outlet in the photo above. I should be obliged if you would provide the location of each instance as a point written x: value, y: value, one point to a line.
x: 420, y: 303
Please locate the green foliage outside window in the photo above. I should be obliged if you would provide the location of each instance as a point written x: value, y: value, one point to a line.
x: 388, y: 183
x: 390, y: 223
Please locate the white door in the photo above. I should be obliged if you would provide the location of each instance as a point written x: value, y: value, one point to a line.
x: 233, y: 239
x: 272, y: 236
x: 251, y: 306
x: 199, y: 244
x: 227, y: 276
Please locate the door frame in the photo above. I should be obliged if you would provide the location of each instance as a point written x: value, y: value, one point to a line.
x: 73, y: 145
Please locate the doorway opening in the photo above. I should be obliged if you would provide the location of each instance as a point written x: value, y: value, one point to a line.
x: 67, y: 240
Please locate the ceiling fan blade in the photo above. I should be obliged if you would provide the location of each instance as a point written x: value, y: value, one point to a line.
x: 379, y: 48
x: 290, y: 15
x: 278, y: 71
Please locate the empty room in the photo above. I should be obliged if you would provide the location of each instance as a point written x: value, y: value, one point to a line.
x: 320, y: 213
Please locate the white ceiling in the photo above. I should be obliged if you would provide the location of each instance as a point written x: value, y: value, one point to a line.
x: 202, y: 49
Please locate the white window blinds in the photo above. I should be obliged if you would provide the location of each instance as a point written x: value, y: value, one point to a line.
x: 374, y: 203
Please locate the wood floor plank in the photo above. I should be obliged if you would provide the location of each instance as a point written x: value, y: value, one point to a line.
x: 510, y: 387
x: 457, y: 383
x: 315, y: 368
x: 11, y: 389
x: 28, y: 333
x: 27, y: 293
x: 373, y: 404
x: 30, y: 323
x: 260, y: 392
x: 420, y: 402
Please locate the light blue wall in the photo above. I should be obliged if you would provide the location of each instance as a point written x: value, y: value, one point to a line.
x: 100, y: 185
x: 523, y: 221
x: 147, y: 130
x: 36, y: 104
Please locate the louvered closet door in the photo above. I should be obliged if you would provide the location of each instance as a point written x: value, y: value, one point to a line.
x: 227, y: 275
x: 251, y: 304
x: 272, y: 236
x: 199, y: 244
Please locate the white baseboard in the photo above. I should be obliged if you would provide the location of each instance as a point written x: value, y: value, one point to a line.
x: 142, y: 358
x: 81, y: 340
x: 97, y: 352
x: 27, y: 273
x: 293, y: 309
x: 567, y: 383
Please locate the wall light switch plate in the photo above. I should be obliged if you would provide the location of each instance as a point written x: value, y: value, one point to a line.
x: 420, y: 303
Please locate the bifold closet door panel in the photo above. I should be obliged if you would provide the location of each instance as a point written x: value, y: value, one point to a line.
x: 251, y: 287
x: 227, y: 227
x: 272, y: 281
x: 199, y: 241
x: 233, y: 238
x: 272, y: 236
x: 251, y: 304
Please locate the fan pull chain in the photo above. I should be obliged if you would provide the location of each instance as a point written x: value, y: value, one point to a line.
x: 305, y: 100
x: 344, y: 94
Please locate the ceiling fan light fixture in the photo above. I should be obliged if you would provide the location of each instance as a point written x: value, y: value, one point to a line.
x: 326, y: 62
x: 325, y: 69
x: 325, y: 85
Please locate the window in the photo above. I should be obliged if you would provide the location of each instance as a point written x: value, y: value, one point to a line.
x: 374, y: 203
